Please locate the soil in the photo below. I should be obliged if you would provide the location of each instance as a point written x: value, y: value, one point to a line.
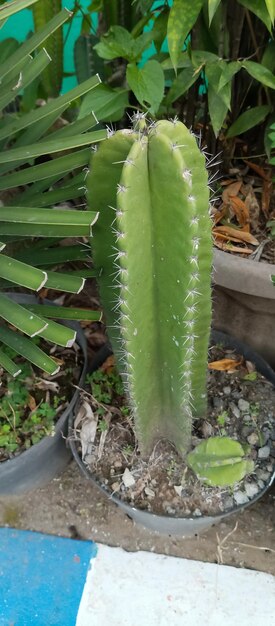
x: 240, y: 406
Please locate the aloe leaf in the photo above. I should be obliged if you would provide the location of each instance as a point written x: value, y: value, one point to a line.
x: 29, y: 350
x: 65, y: 282
x: 55, y: 167
x: 28, y: 74
x: 13, y: 7
x: 54, y: 256
x: 80, y: 126
x: 65, y: 313
x: 56, y: 196
x: 49, y: 146
x: 18, y: 316
x: 219, y: 461
x: 58, y: 334
x: 12, y: 368
x: 21, y: 273
x: 54, y: 106
x: 56, y: 217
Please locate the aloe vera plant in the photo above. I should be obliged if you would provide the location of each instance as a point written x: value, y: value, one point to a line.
x: 152, y: 250
x: 30, y: 210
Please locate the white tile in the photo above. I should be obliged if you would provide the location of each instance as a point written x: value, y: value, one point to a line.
x: 145, y: 589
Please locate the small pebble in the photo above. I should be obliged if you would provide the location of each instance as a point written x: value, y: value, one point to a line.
x: 236, y: 412
x: 218, y: 403
x: 251, y: 489
x: 115, y: 487
x: 117, y: 464
x: 261, y: 484
x: 197, y: 513
x: 170, y: 510
x: 227, y: 391
x: 264, y: 452
x: 228, y: 503
x: 253, y: 439
x: 243, y: 405
x: 270, y: 467
x: 262, y: 475
x: 206, y: 429
x: 241, y: 497
x: 128, y: 478
x: 149, y: 492
x: 178, y: 489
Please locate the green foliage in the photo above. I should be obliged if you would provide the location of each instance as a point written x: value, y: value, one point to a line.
x: 51, y: 77
x: 220, y: 461
x: 150, y: 187
x: 105, y: 385
x: 28, y: 212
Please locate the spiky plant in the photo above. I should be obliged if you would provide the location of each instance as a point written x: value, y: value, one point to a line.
x: 152, y: 249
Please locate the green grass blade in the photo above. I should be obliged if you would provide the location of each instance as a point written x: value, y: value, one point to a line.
x: 14, y: 7
x: 21, y: 273
x: 32, y: 70
x: 26, y: 348
x: 12, y: 368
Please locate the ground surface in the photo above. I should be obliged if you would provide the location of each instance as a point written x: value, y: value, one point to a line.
x: 70, y: 506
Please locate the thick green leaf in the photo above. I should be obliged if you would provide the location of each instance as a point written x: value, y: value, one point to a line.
x: 65, y: 282
x: 49, y: 146
x: 32, y: 70
x: 228, y: 71
x: 212, y: 8
x: 10, y: 8
x: 36, y: 222
x: 65, y: 313
x: 248, y: 120
x: 56, y: 196
x: 60, y: 166
x: 18, y: 316
x: 183, y: 81
x: 214, y: 72
x: 28, y: 349
x: 147, y: 83
x: 21, y: 273
x: 182, y: 18
x: 270, y: 5
x: 54, y: 256
x: 260, y: 73
x: 219, y: 461
x: 259, y: 8
x: 80, y: 126
x: 12, y: 368
x: 107, y: 104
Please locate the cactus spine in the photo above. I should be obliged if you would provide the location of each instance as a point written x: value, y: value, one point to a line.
x: 152, y: 247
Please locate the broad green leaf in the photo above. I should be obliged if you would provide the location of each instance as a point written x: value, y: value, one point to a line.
x: 28, y: 349
x: 107, y: 104
x: 268, y: 58
x: 180, y: 85
x: 248, y: 120
x: 10, y: 8
x: 212, y: 8
x: 228, y: 71
x: 43, y: 171
x: 49, y: 146
x: 12, y: 368
x: 118, y: 42
x: 259, y: 8
x: 147, y: 84
x: 214, y: 72
x: 182, y: 17
x: 58, y: 334
x: 65, y: 313
x: 21, y: 273
x: 270, y: 5
x: 18, y: 316
x: 220, y: 461
x: 260, y: 73
x: 159, y: 29
x: 217, y: 109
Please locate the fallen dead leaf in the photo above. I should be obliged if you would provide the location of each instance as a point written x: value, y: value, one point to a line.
x: 266, y: 196
x: 238, y: 235
x: 108, y: 365
x: 256, y: 168
x: 32, y: 403
x: 225, y: 365
x: 231, y: 190
x: 240, y: 211
x: 45, y: 384
x: 227, y: 247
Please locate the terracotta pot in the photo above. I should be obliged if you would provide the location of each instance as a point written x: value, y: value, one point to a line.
x: 244, y: 301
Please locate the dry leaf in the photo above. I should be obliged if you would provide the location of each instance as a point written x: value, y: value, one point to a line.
x: 231, y: 190
x: 266, y: 196
x: 237, y: 234
x: 32, y: 403
x: 256, y: 168
x: 241, y: 212
x: 227, y: 247
x: 108, y: 365
x: 107, y: 420
x: 46, y: 384
x: 225, y: 365
x: 252, y: 205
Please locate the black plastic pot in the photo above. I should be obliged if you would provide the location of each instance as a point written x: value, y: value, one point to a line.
x: 187, y: 526
x: 43, y: 461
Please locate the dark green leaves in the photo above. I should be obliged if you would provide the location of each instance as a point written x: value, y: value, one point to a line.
x: 182, y: 18
x: 248, y: 120
x: 118, y: 42
x: 147, y: 83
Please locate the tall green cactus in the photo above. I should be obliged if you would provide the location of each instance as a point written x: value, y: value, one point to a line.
x: 152, y: 248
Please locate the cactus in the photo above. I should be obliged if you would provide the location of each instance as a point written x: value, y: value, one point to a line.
x: 153, y: 252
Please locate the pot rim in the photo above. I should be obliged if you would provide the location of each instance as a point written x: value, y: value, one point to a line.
x: 243, y: 275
